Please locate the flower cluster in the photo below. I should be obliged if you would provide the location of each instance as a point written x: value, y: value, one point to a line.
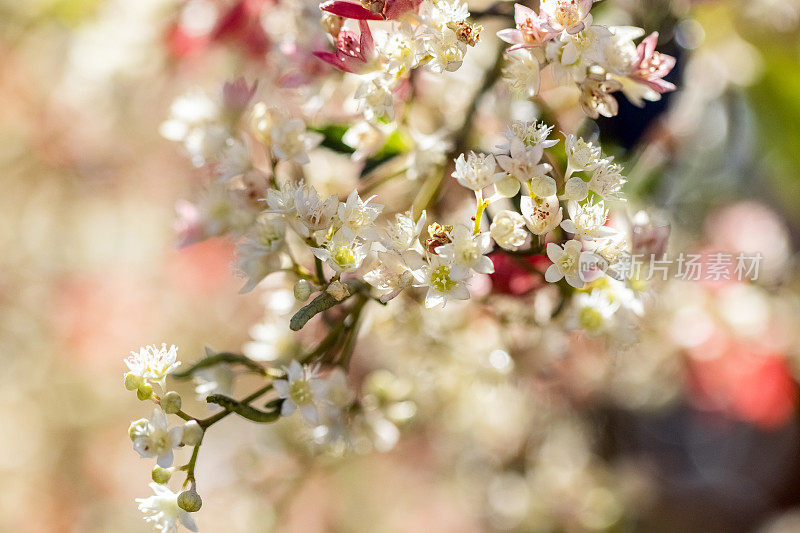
x: 599, y: 60
x: 433, y: 34
x: 322, y: 254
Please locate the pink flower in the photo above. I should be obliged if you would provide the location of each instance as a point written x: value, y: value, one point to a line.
x: 379, y: 9
x: 652, y: 66
x: 531, y: 30
x: 236, y: 95
x: 571, y: 16
x: 354, y: 52
x: 349, y: 10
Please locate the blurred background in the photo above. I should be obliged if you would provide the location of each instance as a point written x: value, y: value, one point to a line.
x: 691, y: 427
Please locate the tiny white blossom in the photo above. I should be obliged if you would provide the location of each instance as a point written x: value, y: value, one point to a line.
x: 399, y: 48
x: 508, y: 229
x: 394, y: 272
x: 595, y: 312
x: 569, y: 263
x: 365, y: 138
x: 375, y: 98
x: 467, y: 251
x: 523, y: 162
x: 443, y: 281
x: 312, y: 212
x: 477, y: 171
x: 445, y: 49
x: 541, y: 214
x: 235, y: 160
x: 163, y: 511
x: 195, y: 121
x: 154, y: 438
x: 429, y: 154
x: 358, y: 215
x: 291, y: 141
x: 581, y: 155
x: 343, y: 251
x: 522, y: 72
x: 403, y: 233
x: 607, y: 180
x: 587, y: 220
x: 303, y: 390
x: 258, y: 256
x: 153, y: 364
x: 529, y: 133
x: 596, y: 98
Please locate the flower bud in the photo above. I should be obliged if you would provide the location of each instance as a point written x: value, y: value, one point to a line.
x: 576, y: 189
x: 302, y: 290
x: 161, y: 475
x: 132, y: 381
x: 190, y: 501
x: 144, y: 392
x: 192, y: 433
x: 171, y: 402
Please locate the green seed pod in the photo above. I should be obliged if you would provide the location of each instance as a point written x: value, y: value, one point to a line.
x: 190, y: 501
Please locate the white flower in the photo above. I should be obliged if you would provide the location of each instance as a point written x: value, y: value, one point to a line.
x: 569, y: 263
x: 620, y: 54
x: 477, y: 171
x: 445, y: 49
x: 343, y: 251
x: 429, y: 154
x: 393, y: 272
x: 508, y: 230
x: 443, y: 281
x: 436, y: 14
x: 524, y: 162
x: 291, y: 141
x: 399, y: 48
x: 595, y: 312
x: 152, y: 364
x: 467, y: 251
x: 573, y: 55
x: 522, y: 72
x: 282, y: 200
x: 365, y: 138
x: 607, y: 180
x: 163, y: 511
x: 194, y: 120
x: 302, y: 390
x: 541, y: 214
x: 375, y: 98
x: 358, y: 215
x: 154, y: 438
x: 587, y: 220
x: 235, y: 160
x: 596, y: 98
x: 581, y: 155
x: 258, y: 256
x: 529, y: 133
x: 313, y: 213
x: 403, y: 233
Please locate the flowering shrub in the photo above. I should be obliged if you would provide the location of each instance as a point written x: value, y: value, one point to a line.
x: 547, y: 210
